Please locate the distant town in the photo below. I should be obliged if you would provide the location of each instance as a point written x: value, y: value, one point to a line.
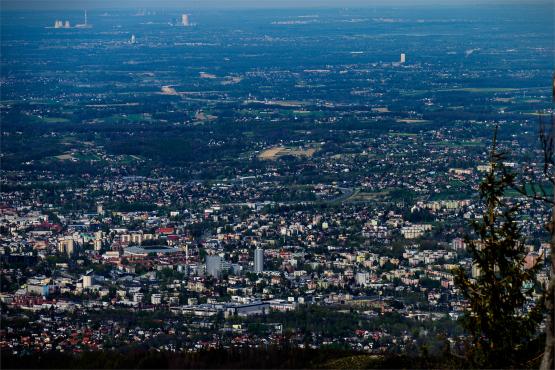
x: 270, y: 178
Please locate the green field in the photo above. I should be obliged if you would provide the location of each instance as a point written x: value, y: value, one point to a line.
x: 402, y: 134
x: 483, y: 90
x: 55, y: 120
x: 359, y: 196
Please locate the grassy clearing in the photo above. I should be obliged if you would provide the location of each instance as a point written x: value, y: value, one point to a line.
x: 544, y: 114
x: 402, y: 134
x: 168, y: 90
x: 408, y: 120
x: 55, y: 120
x: 455, y: 144
x: 202, y: 116
x: 359, y: 196
x: 280, y: 151
x: 475, y: 90
x: 482, y: 89
x: 65, y: 157
x: 86, y: 157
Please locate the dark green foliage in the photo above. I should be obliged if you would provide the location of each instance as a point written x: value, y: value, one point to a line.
x: 240, y: 358
x: 131, y: 207
x: 500, y: 330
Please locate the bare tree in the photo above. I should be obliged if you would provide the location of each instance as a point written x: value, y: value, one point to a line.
x: 548, y: 360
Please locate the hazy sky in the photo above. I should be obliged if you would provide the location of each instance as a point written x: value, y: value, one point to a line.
x: 91, y: 4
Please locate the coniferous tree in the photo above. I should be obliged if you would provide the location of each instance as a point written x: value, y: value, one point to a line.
x: 540, y: 188
x: 497, y: 321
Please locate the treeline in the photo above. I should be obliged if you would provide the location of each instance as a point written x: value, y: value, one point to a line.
x: 244, y: 358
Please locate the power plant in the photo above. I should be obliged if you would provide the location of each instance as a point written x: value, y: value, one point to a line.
x: 84, y: 25
x: 66, y: 24
x: 61, y: 24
